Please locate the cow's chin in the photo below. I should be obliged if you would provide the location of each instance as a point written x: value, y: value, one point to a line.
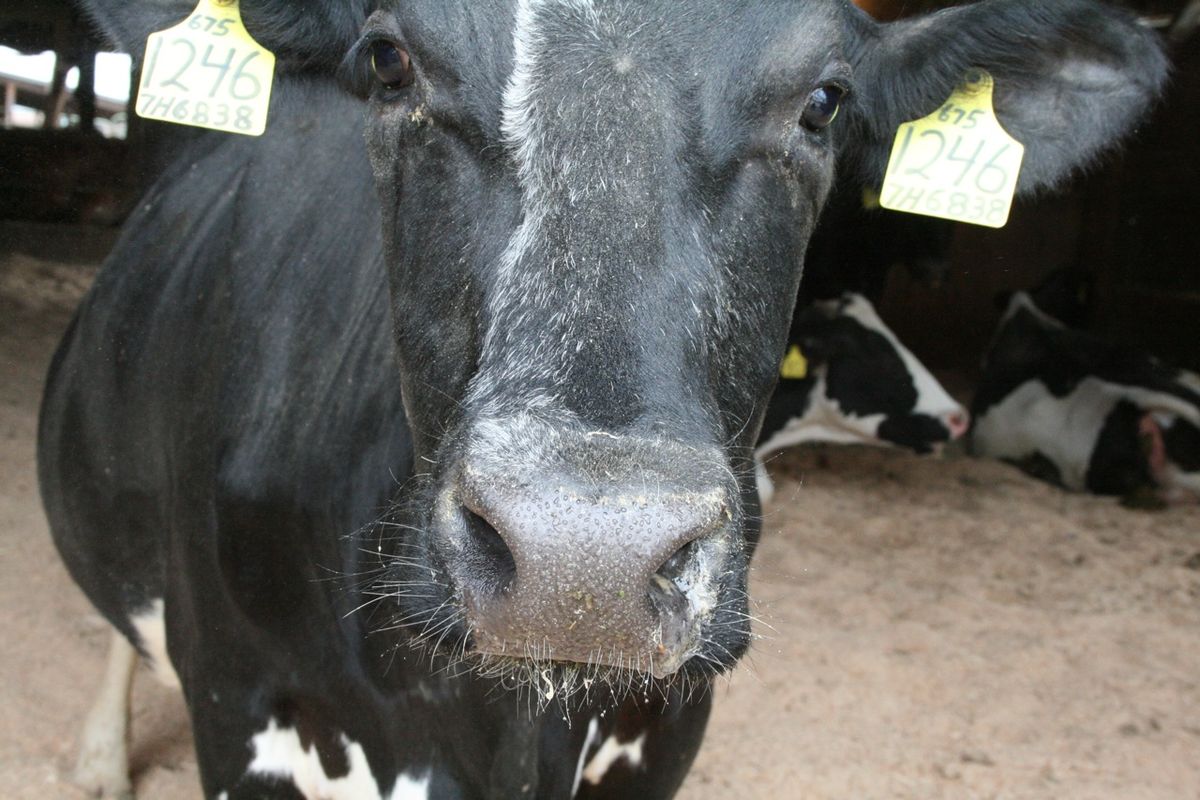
x: 539, y: 683
x: 539, y: 679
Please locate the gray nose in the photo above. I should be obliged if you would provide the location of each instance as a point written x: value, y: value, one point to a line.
x: 586, y: 572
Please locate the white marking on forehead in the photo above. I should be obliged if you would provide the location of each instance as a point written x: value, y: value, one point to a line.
x: 279, y: 753
x: 536, y: 319
x: 932, y: 399
x: 151, y: 628
x: 520, y: 125
x: 520, y: 117
x: 610, y: 753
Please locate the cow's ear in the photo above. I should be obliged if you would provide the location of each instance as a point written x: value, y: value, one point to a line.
x: 305, y: 34
x: 1072, y: 78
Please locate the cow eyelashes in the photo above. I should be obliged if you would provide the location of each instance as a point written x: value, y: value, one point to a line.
x: 391, y: 64
x: 822, y: 107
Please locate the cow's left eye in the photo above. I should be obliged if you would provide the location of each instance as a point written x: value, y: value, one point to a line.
x: 822, y: 107
x: 391, y: 64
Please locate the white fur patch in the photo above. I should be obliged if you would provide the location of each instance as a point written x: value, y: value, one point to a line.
x: 593, y: 732
x: 610, y: 753
x: 103, y: 764
x: 824, y: 421
x: 152, y: 634
x: 1064, y: 430
x: 932, y: 399
x: 279, y: 753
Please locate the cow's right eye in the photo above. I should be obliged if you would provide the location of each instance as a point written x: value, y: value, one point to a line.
x: 391, y: 64
x: 822, y: 107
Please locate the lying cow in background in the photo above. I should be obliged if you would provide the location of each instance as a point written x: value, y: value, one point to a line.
x: 465, y: 510
x: 1087, y: 414
x: 847, y: 379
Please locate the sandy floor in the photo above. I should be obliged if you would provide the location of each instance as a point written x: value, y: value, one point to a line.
x: 937, y: 629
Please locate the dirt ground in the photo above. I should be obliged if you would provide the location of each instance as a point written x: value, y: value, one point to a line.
x: 932, y: 628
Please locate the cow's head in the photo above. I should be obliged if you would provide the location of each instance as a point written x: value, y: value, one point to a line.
x: 596, y: 214
x: 858, y: 385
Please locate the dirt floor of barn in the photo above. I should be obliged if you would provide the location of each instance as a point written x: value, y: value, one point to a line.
x: 931, y: 628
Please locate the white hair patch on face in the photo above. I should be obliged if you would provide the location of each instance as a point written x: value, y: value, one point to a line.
x: 585, y: 154
x: 279, y: 753
x: 521, y: 121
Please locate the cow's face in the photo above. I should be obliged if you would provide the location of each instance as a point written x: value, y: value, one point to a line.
x: 596, y: 214
x: 597, y: 219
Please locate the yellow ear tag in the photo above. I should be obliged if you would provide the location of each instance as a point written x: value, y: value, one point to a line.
x: 795, y: 365
x: 958, y: 163
x: 207, y: 71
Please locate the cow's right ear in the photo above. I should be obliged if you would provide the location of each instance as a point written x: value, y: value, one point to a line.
x: 1072, y: 78
x: 303, y: 34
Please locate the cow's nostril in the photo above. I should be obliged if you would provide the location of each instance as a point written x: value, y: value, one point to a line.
x: 674, y: 567
x: 488, y: 556
x: 668, y: 596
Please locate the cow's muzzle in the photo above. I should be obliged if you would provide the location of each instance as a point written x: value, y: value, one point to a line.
x: 615, y: 564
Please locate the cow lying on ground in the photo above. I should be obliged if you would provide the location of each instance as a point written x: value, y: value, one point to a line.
x: 854, y: 383
x: 466, y: 511
x: 1085, y: 413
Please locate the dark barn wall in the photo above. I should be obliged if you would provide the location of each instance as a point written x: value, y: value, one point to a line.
x: 1147, y: 236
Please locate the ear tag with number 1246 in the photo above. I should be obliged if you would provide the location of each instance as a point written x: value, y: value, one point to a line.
x: 207, y: 71
x: 958, y: 163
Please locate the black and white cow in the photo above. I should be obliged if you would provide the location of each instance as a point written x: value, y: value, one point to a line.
x: 1085, y: 413
x: 847, y: 379
x: 465, y: 510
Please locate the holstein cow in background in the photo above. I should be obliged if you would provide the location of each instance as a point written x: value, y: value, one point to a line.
x: 465, y: 511
x: 1085, y: 413
x: 847, y: 379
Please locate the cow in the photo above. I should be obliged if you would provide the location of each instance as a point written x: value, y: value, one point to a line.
x: 847, y: 379
x: 446, y: 489
x: 1086, y: 413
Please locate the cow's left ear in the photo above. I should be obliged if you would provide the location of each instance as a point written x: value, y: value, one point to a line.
x: 1072, y: 78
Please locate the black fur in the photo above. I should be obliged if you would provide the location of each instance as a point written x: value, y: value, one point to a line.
x: 262, y: 400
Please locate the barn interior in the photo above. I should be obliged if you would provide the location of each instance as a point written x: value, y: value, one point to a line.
x: 1119, y: 244
x: 1120, y: 239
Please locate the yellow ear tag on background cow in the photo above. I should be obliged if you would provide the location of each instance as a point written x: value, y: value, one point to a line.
x: 795, y: 365
x: 958, y: 163
x: 207, y: 71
